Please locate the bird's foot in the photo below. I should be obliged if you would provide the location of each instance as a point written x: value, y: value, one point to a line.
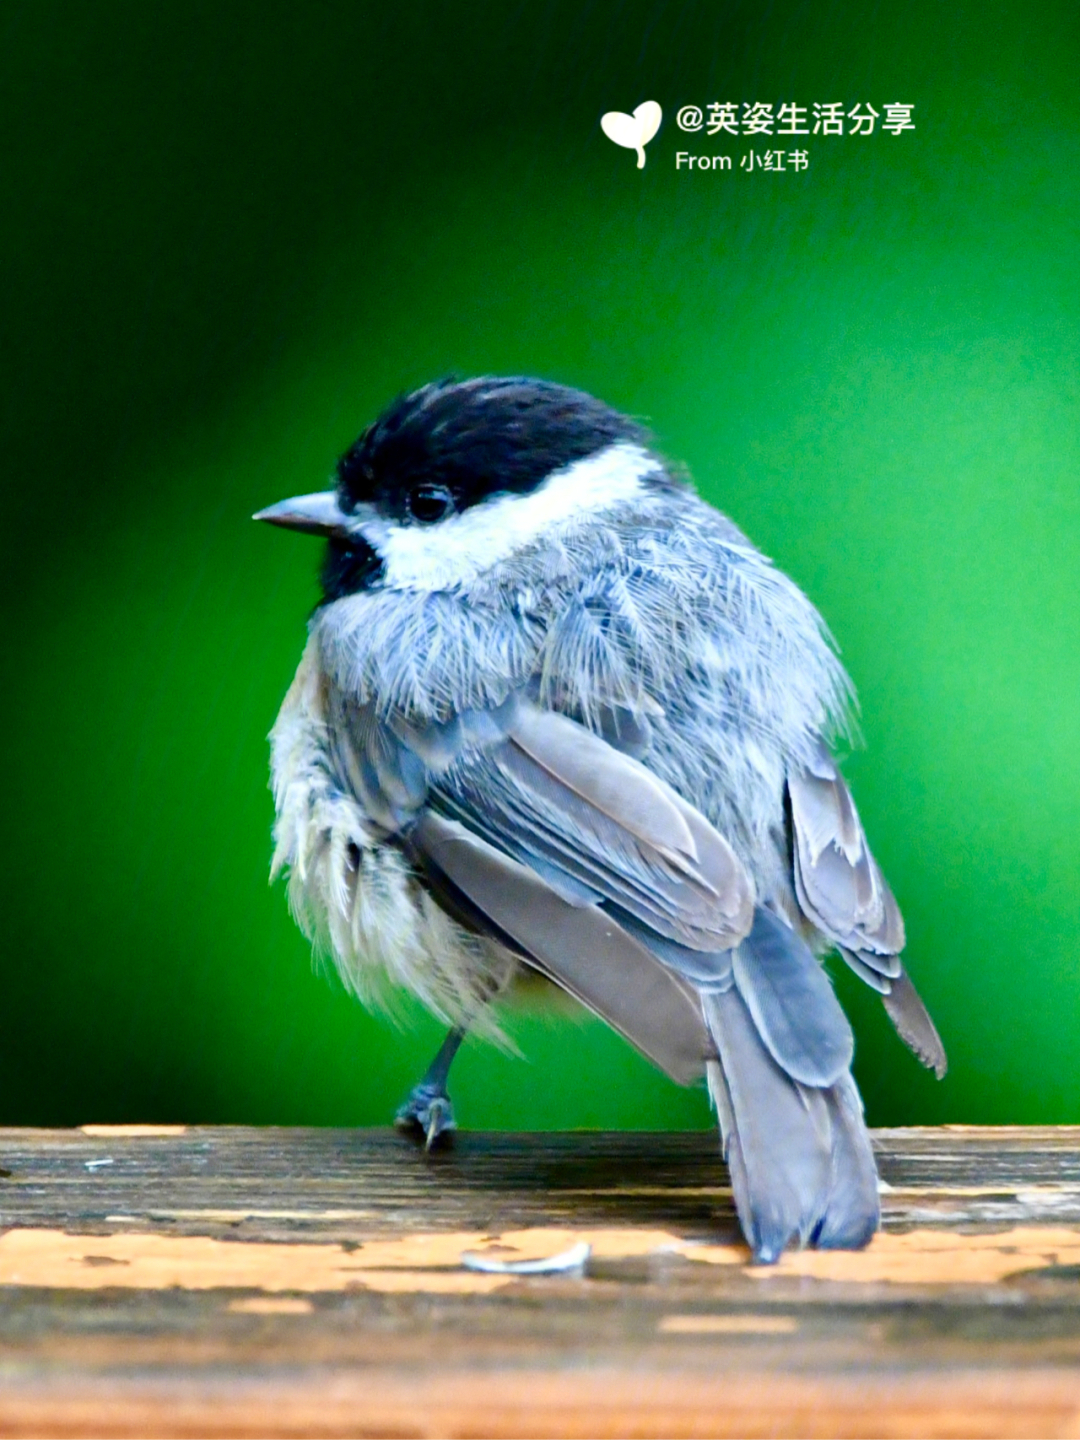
x: 428, y: 1114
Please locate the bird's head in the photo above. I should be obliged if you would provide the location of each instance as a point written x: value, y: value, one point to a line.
x: 457, y: 476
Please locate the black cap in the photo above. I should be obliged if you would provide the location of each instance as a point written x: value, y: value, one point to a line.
x: 476, y: 438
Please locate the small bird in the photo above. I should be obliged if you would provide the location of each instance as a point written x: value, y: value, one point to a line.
x: 557, y: 717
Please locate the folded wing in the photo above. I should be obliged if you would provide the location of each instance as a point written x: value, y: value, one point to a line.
x: 538, y: 831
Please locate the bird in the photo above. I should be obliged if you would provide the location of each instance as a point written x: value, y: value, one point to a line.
x: 558, y: 723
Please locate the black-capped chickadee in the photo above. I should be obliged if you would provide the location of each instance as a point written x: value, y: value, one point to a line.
x: 557, y: 715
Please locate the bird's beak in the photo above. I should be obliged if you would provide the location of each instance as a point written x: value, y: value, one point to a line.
x: 318, y: 514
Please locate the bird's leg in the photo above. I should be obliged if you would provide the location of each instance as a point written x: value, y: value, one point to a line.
x: 428, y: 1110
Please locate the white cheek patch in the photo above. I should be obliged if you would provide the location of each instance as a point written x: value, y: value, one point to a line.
x: 457, y: 550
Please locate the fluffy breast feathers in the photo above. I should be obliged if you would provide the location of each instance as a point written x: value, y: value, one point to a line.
x: 355, y: 899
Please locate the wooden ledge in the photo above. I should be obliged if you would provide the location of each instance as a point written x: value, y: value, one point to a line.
x: 187, y: 1281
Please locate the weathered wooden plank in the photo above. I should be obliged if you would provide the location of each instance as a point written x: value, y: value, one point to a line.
x: 309, y: 1283
x: 959, y: 1175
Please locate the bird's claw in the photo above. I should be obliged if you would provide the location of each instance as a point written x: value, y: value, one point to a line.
x: 428, y: 1113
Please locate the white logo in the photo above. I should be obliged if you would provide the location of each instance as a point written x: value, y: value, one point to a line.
x: 633, y: 132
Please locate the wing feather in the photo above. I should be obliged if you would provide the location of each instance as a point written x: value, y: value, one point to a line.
x: 838, y: 882
x: 535, y: 822
x: 842, y: 890
x: 913, y: 1024
x: 554, y: 792
x: 581, y: 948
x: 613, y: 783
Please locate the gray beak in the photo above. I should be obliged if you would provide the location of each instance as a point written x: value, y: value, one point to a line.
x: 318, y: 514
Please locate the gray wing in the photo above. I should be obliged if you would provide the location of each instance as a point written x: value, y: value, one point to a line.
x: 601, y: 829
x: 577, y: 946
x: 544, y: 834
x: 842, y: 890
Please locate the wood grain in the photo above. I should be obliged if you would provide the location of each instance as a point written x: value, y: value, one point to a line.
x: 193, y: 1281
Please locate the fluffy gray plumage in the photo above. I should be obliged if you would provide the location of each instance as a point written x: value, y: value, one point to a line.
x: 593, y: 741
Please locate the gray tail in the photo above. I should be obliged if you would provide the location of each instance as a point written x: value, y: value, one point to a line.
x: 794, y: 1137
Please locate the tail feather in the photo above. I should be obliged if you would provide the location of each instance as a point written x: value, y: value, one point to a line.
x: 854, y: 1210
x: 799, y: 1154
x: 776, y: 1139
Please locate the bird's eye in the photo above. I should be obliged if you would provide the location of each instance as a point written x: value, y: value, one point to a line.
x: 428, y: 503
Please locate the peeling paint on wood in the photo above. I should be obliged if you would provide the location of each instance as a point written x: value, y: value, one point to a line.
x: 308, y: 1283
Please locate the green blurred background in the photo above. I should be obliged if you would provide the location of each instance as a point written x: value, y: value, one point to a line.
x: 232, y: 233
